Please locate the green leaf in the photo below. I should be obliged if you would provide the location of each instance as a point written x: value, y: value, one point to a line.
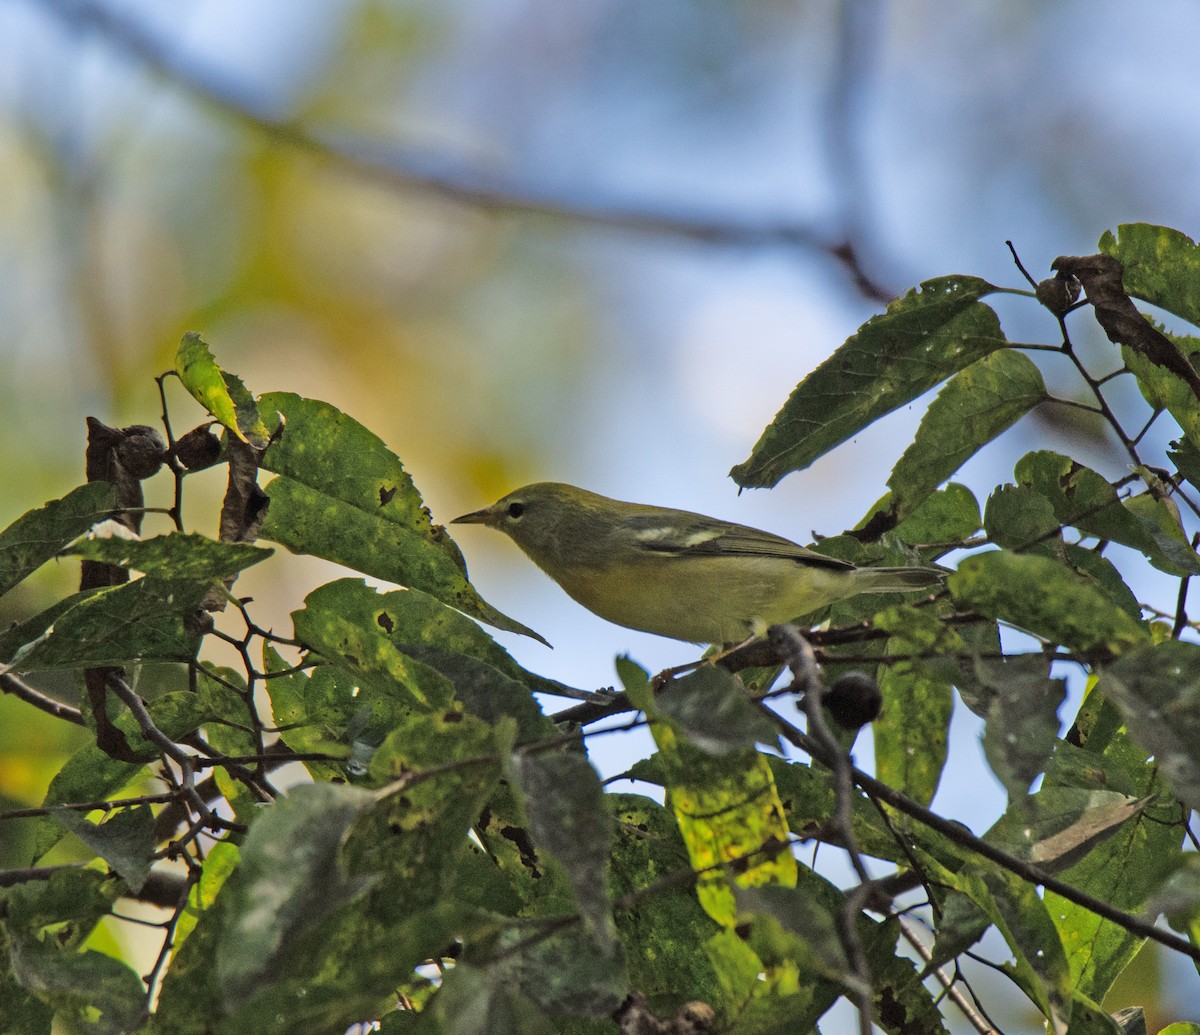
x: 1047, y: 599
x: 1178, y: 897
x: 568, y: 818
x: 810, y: 803
x: 710, y: 708
x: 220, y: 862
x: 290, y: 877
x: 80, y: 985
x: 1056, y: 827
x: 140, y: 620
x: 1162, y: 266
x: 24, y: 1013
x: 1088, y: 1017
x: 91, y: 775
x: 1082, y: 498
x: 486, y: 691
x: 343, y: 495
x: 1158, y: 691
x: 677, y: 953
x: 973, y: 408
x: 1123, y: 868
x: 1185, y: 455
x: 179, y: 555
x: 67, y: 905
x: 918, y: 698
x: 18, y: 639
x: 1163, y: 389
x: 1040, y: 965
x: 464, y: 753
x: 949, y: 515
x: 727, y: 807
x: 805, y: 914
x: 374, y: 631
x: 474, y: 999
x: 961, y: 926
x: 923, y: 338
x: 221, y: 394
x: 1018, y: 518
x: 568, y: 972
x: 125, y: 840
x: 35, y: 537
x: 901, y: 1002
x: 1021, y: 710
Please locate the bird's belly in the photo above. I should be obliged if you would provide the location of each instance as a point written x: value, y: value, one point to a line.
x: 708, y: 599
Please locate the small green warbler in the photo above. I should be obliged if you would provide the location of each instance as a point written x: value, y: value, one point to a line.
x: 674, y: 573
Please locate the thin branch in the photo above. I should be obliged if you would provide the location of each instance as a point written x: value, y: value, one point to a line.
x: 107, y: 805
x: 397, y: 169
x: 799, y: 657
x: 960, y: 836
x: 908, y: 930
x: 11, y: 684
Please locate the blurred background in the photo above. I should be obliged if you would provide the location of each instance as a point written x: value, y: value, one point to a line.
x: 596, y: 242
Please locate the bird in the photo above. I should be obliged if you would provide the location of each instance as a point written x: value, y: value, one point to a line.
x: 675, y: 573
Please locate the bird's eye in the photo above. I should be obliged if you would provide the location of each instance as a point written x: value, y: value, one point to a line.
x: 515, y: 510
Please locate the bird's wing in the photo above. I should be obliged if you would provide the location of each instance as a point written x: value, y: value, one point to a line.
x: 693, y: 535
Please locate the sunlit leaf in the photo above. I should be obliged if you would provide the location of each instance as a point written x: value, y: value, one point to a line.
x: 727, y: 807
x: 1162, y: 266
x: 222, y: 394
x: 676, y: 951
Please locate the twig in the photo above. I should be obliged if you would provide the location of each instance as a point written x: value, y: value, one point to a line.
x: 798, y: 655
x: 108, y: 805
x: 396, y: 169
x: 960, y: 836
x: 16, y: 686
x: 944, y: 979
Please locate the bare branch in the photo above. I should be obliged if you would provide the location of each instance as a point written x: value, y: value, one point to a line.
x: 396, y: 168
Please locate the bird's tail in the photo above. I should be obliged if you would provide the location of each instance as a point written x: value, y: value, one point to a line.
x: 897, y: 580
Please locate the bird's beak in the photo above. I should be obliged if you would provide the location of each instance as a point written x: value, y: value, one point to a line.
x: 476, y: 517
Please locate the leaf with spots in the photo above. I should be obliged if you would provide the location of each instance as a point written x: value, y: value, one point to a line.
x: 1161, y: 266
x: 931, y: 333
x: 1084, y: 499
x: 1046, y: 598
x: 728, y: 809
x: 391, y: 633
x: 35, y: 537
x: 341, y: 494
